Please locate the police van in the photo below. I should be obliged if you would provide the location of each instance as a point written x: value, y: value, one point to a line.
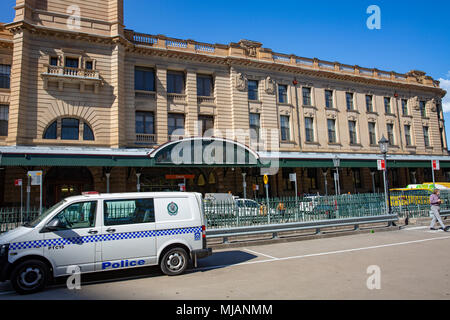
x: 102, y: 232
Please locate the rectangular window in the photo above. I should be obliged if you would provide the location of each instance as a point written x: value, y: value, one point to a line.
x: 175, y: 122
x: 369, y: 103
x: 312, y: 177
x: 204, y: 85
x: 387, y: 105
x: 309, y: 129
x: 253, y: 90
x: 175, y: 82
x: 329, y: 99
x: 331, y: 123
x: 5, y: 76
x: 145, y: 122
x: 54, y: 61
x: 372, y: 133
x: 254, y: 126
x: 390, y: 133
x: 70, y: 129
x: 282, y: 93
x: 79, y: 215
x: 72, y: 63
x: 120, y: 212
x: 352, y: 131
x: 144, y: 79
x: 405, y: 107
x: 357, y: 182
x: 408, y: 135
x: 205, y: 123
x: 4, y: 116
x: 306, y: 93
x: 423, y: 110
x: 426, y: 136
x: 89, y: 65
x: 285, y: 130
x: 349, y: 100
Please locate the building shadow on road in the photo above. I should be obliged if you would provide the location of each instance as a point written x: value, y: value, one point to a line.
x: 222, y: 260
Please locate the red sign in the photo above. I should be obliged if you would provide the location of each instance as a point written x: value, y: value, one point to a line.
x: 18, y: 182
x: 381, y: 165
x: 179, y: 176
x: 436, y: 165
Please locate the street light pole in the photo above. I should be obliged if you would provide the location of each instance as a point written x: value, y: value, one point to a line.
x: 384, y: 143
x: 337, y: 163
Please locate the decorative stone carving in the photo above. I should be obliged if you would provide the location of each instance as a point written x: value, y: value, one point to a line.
x: 241, y: 82
x: 250, y: 47
x: 331, y: 115
x: 415, y: 103
x: 351, y: 118
x: 270, y: 85
x: 433, y: 105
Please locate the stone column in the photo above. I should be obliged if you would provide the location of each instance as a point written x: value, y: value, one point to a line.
x: 161, y: 105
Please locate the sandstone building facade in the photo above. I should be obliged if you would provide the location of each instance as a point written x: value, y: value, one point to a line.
x: 88, y: 102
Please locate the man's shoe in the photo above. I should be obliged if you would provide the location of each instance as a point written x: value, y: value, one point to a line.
x: 433, y: 229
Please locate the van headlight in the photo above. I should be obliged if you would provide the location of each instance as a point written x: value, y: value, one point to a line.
x: 4, y: 249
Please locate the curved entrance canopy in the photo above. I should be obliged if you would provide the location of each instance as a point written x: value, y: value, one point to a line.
x: 204, y: 151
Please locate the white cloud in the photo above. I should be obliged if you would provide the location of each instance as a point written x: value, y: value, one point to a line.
x: 445, y: 84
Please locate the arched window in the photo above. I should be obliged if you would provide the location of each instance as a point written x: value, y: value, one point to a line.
x: 87, y: 133
x: 50, y: 133
x: 69, y: 129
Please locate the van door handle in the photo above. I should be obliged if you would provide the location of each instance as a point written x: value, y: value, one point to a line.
x: 93, y: 231
x: 110, y: 230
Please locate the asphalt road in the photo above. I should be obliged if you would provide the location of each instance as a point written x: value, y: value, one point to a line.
x: 414, y: 263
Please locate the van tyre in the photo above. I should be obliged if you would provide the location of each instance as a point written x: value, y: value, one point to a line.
x: 174, y: 262
x: 29, y: 276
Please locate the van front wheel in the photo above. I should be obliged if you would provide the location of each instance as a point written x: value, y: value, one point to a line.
x: 174, y: 262
x: 30, y: 276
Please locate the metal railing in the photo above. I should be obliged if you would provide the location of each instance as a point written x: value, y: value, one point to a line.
x: 275, y: 229
x: 314, y: 210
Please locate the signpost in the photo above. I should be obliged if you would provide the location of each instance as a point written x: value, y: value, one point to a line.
x: 266, y: 184
x: 382, y: 167
x: 293, y: 178
x: 435, y: 166
x: 34, y: 179
x: 17, y: 183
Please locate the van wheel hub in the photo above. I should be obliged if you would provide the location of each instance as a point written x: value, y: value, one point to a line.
x: 175, y: 261
x: 30, y: 277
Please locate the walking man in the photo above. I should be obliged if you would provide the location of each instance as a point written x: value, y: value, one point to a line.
x: 435, y: 202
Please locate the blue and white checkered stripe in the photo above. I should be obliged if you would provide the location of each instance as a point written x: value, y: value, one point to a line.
x: 105, y: 237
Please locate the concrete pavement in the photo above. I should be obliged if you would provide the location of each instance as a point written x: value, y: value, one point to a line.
x: 414, y: 264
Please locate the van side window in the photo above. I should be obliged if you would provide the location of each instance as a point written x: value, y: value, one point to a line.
x: 117, y: 212
x: 78, y: 216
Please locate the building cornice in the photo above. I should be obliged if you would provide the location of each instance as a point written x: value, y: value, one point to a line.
x: 245, y: 53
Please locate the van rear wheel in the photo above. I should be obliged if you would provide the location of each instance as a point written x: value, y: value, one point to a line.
x: 30, y: 276
x: 174, y: 262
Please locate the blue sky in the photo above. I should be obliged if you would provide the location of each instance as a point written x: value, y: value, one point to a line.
x: 413, y: 35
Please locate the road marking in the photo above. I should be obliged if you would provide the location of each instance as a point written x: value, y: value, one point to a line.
x: 325, y: 253
x: 415, y: 228
x: 260, y: 254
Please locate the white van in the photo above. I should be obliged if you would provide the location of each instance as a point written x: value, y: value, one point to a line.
x: 101, y: 232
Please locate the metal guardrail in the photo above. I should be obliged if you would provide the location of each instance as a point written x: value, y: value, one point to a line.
x: 297, y: 226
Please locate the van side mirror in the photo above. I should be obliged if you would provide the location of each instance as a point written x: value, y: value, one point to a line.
x: 54, y: 225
